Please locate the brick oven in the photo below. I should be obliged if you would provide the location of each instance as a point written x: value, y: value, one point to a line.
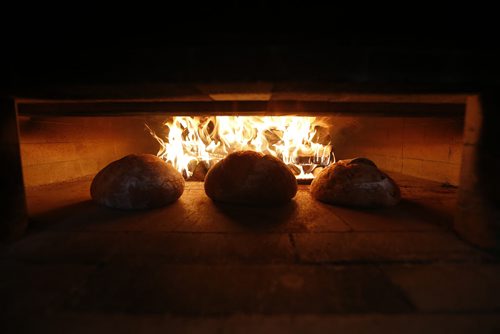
x: 420, y: 135
x: 434, y: 132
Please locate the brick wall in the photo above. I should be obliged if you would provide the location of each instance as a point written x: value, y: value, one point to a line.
x: 426, y: 147
x: 66, y: 148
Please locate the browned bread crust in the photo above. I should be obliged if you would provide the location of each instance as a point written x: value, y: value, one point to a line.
x: 249, y: 177
x: 137, y: 181
x: 355, y: 182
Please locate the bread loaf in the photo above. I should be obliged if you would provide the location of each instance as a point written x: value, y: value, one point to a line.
x: 249, y: 177
x: 355, y: 182
x: 137, y: 181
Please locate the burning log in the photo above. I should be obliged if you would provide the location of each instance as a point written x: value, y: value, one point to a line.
x: 273, y: 135
x: 199, y: 172
x: 322, y: 135
x: 308, y: 168
x: 295, y: 170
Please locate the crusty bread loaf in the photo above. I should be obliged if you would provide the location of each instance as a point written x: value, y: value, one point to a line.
x: 355, y: 182
x: 250, y: 177
x: 137, y: 181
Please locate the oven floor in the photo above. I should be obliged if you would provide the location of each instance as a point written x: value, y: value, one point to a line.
x: 199, y: 267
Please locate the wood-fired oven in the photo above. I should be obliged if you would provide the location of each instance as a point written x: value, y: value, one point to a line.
x: 428, y: 136
x: 424, y: 107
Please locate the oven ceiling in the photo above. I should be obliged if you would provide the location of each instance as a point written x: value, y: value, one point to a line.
x: 252, y: 66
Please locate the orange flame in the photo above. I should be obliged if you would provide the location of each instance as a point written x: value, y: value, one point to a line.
x: 192, y: 140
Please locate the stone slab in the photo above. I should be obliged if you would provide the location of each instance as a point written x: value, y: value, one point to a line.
x: 99, y: 247
x: 383, y: 246
x: 449, y: 287
x: 372, y: 323
x: 201, y: 290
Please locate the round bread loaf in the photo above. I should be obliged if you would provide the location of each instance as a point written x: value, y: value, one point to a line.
x: 137, y: 181
x: 249, y: 177
x: 355, y: 182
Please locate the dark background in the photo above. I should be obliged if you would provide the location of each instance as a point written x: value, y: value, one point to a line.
x: 419, y: 43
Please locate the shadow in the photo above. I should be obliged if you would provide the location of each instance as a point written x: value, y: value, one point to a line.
x: 89, y: 215
x: 409, y: 209
x: 55, y: 215
x: 257, y: 216
x: 407, y: 214
x: 433, y: 212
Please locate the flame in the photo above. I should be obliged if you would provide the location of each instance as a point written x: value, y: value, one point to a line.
x: 190, y: 141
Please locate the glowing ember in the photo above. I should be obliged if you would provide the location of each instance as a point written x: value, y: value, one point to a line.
x: 191, y: 142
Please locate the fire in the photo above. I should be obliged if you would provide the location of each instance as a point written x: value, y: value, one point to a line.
x: 190, y: 142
